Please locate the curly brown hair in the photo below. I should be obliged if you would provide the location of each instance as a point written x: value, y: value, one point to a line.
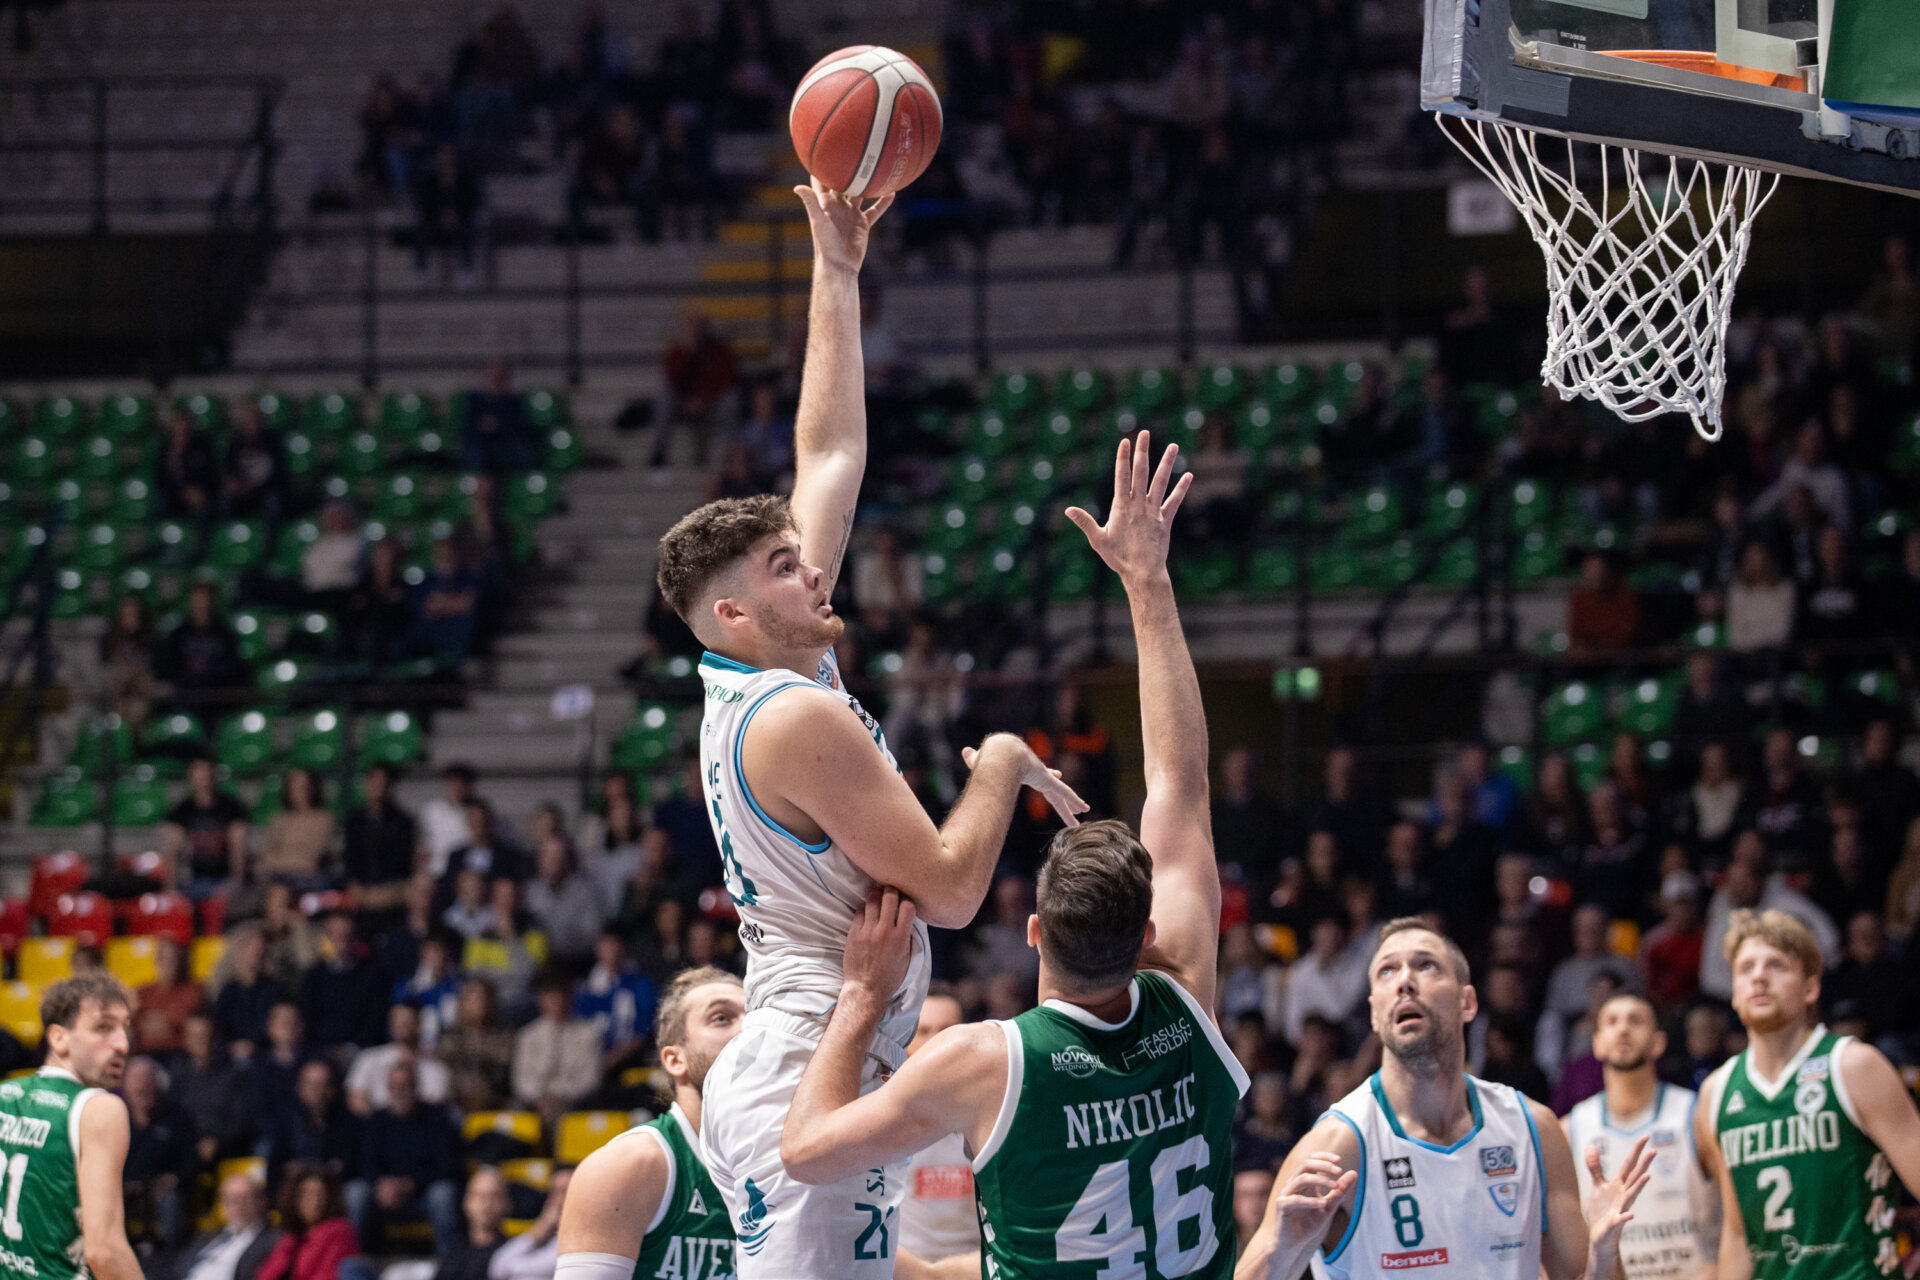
x: 60, y: 1006
x: 709, y: 540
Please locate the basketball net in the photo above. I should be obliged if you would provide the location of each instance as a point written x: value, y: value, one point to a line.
x: 1640, y: 284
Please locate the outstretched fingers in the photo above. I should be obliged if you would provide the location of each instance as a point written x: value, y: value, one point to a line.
x: 1163, y: 475
x: 1142, y: 464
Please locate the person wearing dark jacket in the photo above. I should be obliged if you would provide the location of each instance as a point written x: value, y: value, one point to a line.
x: 410, y: 1161
x: 344, y: 997
x: 318, y: 1129
x: 213, y: 1091
x: 485, y: 1205
x: 379, y: 842
x: 160, y: 1162
x: 202, y: 652
x: 235, y: 1251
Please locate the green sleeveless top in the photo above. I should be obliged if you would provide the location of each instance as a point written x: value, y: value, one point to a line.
x: 1816, y: 1196
x: 690, y: 1237
x: 40, y: 1175
x: 1112, y: 1154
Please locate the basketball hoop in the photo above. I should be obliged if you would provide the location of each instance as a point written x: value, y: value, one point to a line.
x: 1640, y: 284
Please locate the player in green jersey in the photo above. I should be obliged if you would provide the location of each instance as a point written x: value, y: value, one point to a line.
x: 1804, y: 1130
x: 1099, y: 1124
x: 63, y: 1141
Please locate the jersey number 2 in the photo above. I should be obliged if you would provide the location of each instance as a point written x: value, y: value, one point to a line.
x: 14, y: 1174
x: 1100, y: 1227
x: 1778, y: 1184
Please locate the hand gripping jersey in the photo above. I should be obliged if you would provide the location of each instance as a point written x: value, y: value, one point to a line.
x: 690, y: 1237
x: 1476, y: 1208
x: 796, y: 900
x: 40, y: 1176
x: 1816, y: 1196
x: 1671, y: 1228
x: 1112, y: 1154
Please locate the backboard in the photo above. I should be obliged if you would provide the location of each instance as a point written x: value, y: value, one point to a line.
x: 1737, y: 81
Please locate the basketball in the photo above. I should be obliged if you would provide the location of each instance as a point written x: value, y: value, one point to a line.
x: 865, y: 120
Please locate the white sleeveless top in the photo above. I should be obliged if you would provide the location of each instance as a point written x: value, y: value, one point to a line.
x: 796, y: 900
x: 1667, y: 1236
x: 1476, y: 1208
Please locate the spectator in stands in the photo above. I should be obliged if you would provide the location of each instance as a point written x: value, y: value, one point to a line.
x: 1611, y: 870
x: 496, y: 436
x: 1808, y: 468
x: 1834, y: 609
x: 1491, y: 796
x: 700, y: 378
x: 1475, y: 345
x: 889, y: 584
x: 447, y: 198
x: 1708, y: 710
x: 478, y: 1051
x: 372, y: 1067
x: 189, y: 482
x: 688, y: 190
x: 204, y: 839
x: 434, y: 985
x: 1247, y: 824
x: 274, y: 1069
x: 318, y: 1237
x: 1788, y: 803
x: 610, y: 840
x: 1329, y: 980
x: 378, y: 844
x: 507, y: 950
x: 766, y: 436
x: 556, y: 1057
x: 211, y: 1090
x: 331, y: 565
x: 1760, y: 605
x: 488, y: 849
x: 1406, y: 887
x: 253, y: 479
x: 1745, y: 883
x: 1346, y: 807
x: 750, y: 61
x: 533, y: 1254
x: 1147, y: 186
x: 293, y: 944
x: 1869, y: 979
x: 409, y: 1164
x: 1262, y: 1137
x: 443, y: 819
x: 126, y: 663
x: 1716, y: 805
x: 375, y: 615
x: 467, y: 1254
x: 243, y: 1240
x: 1556, y: 816
x: 160, y: 1164
x: 1569, y: 986
x: 1462, y: 854
x: 1603, y: 611
x: 202, y: 653
x: 1891, y: 306
x: 244, y: 991
x: 618, y: 164
x: 299, y: 835
x: 1888, y: 792
x: 343, y: 996
x: 168, y: 1001
x: 1842, y: 885
x: 398, y: 948
x: 444, y: 609
x: 317, y: 1129
x: 564, y: 902
x: 616, y: 998
x: 470, y: 913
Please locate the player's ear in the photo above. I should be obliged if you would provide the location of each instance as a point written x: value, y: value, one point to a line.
x: 1469, y: 1002
x: 674, y: 1059
x: 727, y: 614
x: 1659, y: 1045
x: 1147, y: 941
x: 1033, y: 931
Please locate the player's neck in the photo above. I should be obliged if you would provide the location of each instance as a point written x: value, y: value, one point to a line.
x: 1431, y: 1106
x: 1771, y: 1051
x: 769, y: 657
x: 687, y: 1098
x: 1109, y: 1004
x: 1630, y: 1093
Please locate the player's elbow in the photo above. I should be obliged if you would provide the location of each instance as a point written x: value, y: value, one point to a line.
x: 102, y: 1255
x: 804, y: 1160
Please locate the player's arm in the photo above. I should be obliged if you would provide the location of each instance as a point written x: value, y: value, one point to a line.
x: 1585, y: 1244
x: 961, y: 1266
x: 613, y: 1196
x: 1734, y: 1262
x: 813, y: 767
x: 1175, y: 825
x: 1315, y: 1192
x: 104, y: 1134
x: 830, y: 429
x: 1885, y: 1109
x: 956, y: 1079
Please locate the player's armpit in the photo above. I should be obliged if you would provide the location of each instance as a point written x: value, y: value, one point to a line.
x: 102, y: 1158
x: 1884, y: 1108
x: 954, y: 1084
x: 614, y: 1194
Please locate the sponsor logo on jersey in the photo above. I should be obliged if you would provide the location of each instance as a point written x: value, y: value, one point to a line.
x: 1793, y: 1250
x: 10, y: 1091
x: 1399, y: 1173
x: 1506, y: 1196
x: 1077, y: 1062
x: 1416, y: 1258
x: 1737, y: 1103
x: 48, y: 1098
x: 697, y: 1204
x: 754, y: 1225
x: 723, y: 695
x: 1498, y: 1162
x: 1810, y: 1097
x: 1813, y: 1068
x: 1662, y: 1138
x: 1159, y: 1043
x: 1507, y: 1244
x: 18, y: 1262
x: 696, y: 1258
x: 1787, y: 1136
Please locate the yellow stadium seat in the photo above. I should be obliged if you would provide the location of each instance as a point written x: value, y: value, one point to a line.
x: 205, y: 955
x: 511, y: 1227
x: 581, y: 1133
x: 133, y: 960
x: 533, y: 1172
x: 45, y: 960
x: 23, y: 1073
x: 20, y: 1011
x: 523, y: 1126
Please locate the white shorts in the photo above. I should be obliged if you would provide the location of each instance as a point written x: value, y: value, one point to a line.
x: 787, y: 1230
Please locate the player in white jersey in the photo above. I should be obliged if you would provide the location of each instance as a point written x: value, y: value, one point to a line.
x: 807, y: 806
x: 1675, y: 1232
x: 938, y: 1219
x: 1424, y: 1167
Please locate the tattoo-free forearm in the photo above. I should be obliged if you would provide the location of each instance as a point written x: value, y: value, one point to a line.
x: 975, y: 832
x: 1173, y: 722
x: 808, y: 1145
x: 832, y: 417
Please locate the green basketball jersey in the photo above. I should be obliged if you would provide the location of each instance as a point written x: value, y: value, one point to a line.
x: 40, y: 1176
x: 1815, y: 1193
x: 1112, y: 1154
x: 690, y: 1237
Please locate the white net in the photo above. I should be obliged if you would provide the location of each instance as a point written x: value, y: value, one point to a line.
x: 1640, y: 283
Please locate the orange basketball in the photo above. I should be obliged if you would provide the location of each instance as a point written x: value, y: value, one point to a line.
x: 865, y: 120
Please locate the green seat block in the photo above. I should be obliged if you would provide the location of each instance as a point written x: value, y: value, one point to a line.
x: 245, y: 743
x: 284, y: 672
x: 1272, y: 571
x: 952, y: 527
x: 1007, y: 573
x: 255, y: 633
x: 1539, y: 557
x: 294, y: 540
x: 434, y: 446
x: 99, y: 546
x: 1342, y: 381
x: 1014, y: 393
x: 1646, y: 706
x: 1059, y: 434
x: 1207, y: 573
x: 1588, y: 761
x: 1531, y: 504
x: 1340, y: 569
x: 331, y: 413
x: 969, y: 480
x: 1323, y: 415
x: 268, y: 801
x: 75, y: 595
x: 1288, y: 384
x: 126, y: 415
x: 402, y: 498
x: 1151, y: 390
x: 1258, y: 428
x: 1449, y: 508
x: 1375, y: 513
x: 1399, y: 562
x: 140, y: 798
x: 209, y: 412
x: 1080, y: 391
x: 531, y: 497
x: 1515, y: 764
x: 648, y: 740
x: 303, y: 454
x: 238, y: 544
x: 548, y: 409
x: 103, y: 742
x: 60, y: 416
x: 133, y: 502
x: 317, y: 740
x: 405, y: 414
x: 1184, y: 429
x: 1905, y: 454
x: 1574, y: 712
x: 316, y: 627
x: 34, y: 459
x: 277, y: 412
x: 173, y: 738
x: 392, y: 737
x: 564, y: 450
x: 1220, y: 387
x: 990, y: 435
x: 1881, y: 686
x: 66, y: 800
x: 1037, y: 480
x: 1459, y: 560
x: 363, y: 454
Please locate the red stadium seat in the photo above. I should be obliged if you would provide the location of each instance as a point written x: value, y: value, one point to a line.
x: 162, y: 914
x: 87, y: 918
x: 13, y: 924
x: 53, y: 875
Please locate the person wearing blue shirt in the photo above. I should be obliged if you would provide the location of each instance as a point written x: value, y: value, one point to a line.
x: 434, y: 986
x: 617, y: 997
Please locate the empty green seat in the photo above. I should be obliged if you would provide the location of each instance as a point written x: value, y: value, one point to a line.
x: 331, y: 413
x: 285, y: 672
x: 531, y: 497
x: 303, y: 454
x: 1220, y: 386
x: 209, y: 412
x: 33, y: 458
x: 1458, y: 562
x: 1258, y: 427
x: 245, y: 743
x: 102, y: 742
x: 1342, y: 381
x: 404, y: 414
x: 317, y: 740
x: 60, y: 416
x: 174, y: 737
x: 402, y: 497
x: 77, y: 595
x: 1531, y: 504
x: 1881, y: 686
x: 66, y: 800
x: 968, y: 479
x: 1573, y: 713
x: 564, y: 450
x: 1185, y: 429
x: 237, y: 544
x: 99, y: 546
x: 1588, y: 761
x: 1036, y: 480
x: 1339, y: 569
x: 133, y: 501
x: 1080, y: 390
x: 547, y: 410
x: 1375, y: 513
x: 647, y: 742
x: 294, y: 540
x: 1272, y: 571
x: 392, y: 737
x: 952, y: 527
x: 1014, y: 393
x: 363, y: 454
x: 276, y: 410
x: 1515, y: 764
x: 126, y: 415
x: 1059, y: 434
x: 1646, y: 706
x: 1288, y: 383
x: 140, y: 798
x: 1399, y: 562
x: 1538, y: 557
x: 989, y: 435
x: 1449, y: 509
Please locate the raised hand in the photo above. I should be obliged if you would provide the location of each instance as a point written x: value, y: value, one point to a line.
x: 1305, y: 1203
x: 1610, y: 1200
x: 1042, y: 779
x: 1133, y: 542
x: 880, y: 944
x: 841, y: 227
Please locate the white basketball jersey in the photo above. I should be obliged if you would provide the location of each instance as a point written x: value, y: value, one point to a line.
x: 796, y: 900
x: 940, y: 1218
x: 1476, y: 1208
x: 1666, y: 1236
